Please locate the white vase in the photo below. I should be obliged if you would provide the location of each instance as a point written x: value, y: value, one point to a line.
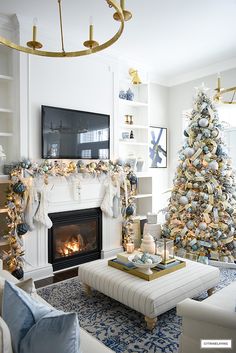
x: 148, y: 244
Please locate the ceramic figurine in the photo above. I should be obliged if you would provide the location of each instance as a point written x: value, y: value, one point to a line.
x: 129, y: 95
x: 122, y: 94
x: 148, y: 244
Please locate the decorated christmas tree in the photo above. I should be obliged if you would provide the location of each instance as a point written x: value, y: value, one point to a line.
x: 201, y: 215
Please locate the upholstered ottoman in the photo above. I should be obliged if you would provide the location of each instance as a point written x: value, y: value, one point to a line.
x: 151, y: 298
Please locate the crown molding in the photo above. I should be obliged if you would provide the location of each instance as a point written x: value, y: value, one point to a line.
x: 197, y: 74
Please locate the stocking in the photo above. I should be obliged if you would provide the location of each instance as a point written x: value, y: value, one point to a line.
x: 31, y: 207
x: 110, y: 192
x: 41, y: 215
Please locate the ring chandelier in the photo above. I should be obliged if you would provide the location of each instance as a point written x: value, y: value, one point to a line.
x: 92, y: 46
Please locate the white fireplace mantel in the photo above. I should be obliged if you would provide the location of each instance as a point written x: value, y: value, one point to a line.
x: 63, y: 196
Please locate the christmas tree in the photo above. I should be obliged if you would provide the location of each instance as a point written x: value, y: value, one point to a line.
x: 201, y: 215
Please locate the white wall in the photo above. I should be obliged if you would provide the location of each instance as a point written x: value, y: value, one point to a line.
x: 181, y: 98
x: 78, y: 83
x: 159, y: 117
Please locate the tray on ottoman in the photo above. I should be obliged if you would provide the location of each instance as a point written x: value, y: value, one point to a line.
x: 157, y: 272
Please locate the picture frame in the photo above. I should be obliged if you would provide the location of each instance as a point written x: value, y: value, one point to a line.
x: 157, y: 147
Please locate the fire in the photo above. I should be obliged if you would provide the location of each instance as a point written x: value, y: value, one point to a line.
x: 71, y: 246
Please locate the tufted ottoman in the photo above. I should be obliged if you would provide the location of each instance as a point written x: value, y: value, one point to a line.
x: 151, y: 298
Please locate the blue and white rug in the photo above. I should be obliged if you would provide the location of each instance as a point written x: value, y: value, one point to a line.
x: 117, y: 326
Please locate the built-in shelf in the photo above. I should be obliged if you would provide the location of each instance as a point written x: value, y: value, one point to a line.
x: 133, y: 143
x: 6, y: 78
x: 4, y: 110
x: 6, y: 134
x: 3, y: 210
x: 142, y: 196
x: 134, y: 126
x: 140, y: 217
x: 133, y: 103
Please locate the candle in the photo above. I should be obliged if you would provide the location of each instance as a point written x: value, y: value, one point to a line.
x: 129, y: 248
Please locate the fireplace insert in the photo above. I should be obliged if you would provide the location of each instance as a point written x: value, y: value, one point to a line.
x: 75, y: 237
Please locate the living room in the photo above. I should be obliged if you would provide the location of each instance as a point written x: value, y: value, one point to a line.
x: 117, y: 154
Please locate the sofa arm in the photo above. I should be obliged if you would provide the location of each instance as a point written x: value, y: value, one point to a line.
x: 201, y: 311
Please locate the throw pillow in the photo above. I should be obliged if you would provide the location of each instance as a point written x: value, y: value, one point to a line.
x: 37, y: 328
x: 20, y: 312
x: 56, y: 332
x: 27, y: 286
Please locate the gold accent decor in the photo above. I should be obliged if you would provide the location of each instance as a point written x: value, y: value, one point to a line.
x: 157, y: 272
x: 220, y: 92
x: 33, y: 47
x: 134, y: 76
x: 127, y: 14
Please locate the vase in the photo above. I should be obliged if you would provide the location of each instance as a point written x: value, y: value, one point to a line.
x: 131, y: 160
x: 129, y: 95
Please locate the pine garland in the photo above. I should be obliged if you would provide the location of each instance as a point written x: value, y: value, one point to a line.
x: 18, y: 193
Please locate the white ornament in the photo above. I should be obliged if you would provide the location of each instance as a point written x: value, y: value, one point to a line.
x: 183, y: 200
x: 202, y: 226
x: 203, y: 122
x: 213, y: 165
x: 188, y: 152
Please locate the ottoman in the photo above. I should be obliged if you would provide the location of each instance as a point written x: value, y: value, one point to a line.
x: 151, y: 298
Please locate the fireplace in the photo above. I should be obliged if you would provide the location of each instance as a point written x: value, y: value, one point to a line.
x: 75, y: 237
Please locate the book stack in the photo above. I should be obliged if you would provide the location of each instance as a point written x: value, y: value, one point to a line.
x: 123, y: 256
x: 173, y: 263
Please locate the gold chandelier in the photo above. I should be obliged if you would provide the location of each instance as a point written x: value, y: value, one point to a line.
x: 33, y: 47
x: 220, y: 92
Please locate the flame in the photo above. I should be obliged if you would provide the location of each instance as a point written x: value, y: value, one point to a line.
x: 70, y: 247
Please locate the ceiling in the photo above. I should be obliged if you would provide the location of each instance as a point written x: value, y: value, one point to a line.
x: 172, y: 38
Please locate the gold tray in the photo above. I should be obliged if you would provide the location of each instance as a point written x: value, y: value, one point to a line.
x: 157, y: 272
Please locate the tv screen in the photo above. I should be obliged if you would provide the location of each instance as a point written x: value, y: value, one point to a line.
x: 74, y: 134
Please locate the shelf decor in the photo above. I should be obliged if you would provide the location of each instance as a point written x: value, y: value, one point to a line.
x: 157, y: 147
x: 18, y: 193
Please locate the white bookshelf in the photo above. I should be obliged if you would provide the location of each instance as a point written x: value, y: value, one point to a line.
x: 137, y: 146
x: 9, y: 94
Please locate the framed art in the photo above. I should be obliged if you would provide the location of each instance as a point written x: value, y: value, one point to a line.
x: 157, y: 146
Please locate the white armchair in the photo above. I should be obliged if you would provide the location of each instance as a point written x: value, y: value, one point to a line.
x: 213, y: 318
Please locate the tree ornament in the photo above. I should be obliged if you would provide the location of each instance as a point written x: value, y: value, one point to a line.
x: 22, y: 228
x: 18, y: 273
x: 19, y: 188
x: 188, y: 152
x: 213, y: 166
x: 130, y: 210
x: 183, y: 200
x: 202, y: 226
x: 203, y: 122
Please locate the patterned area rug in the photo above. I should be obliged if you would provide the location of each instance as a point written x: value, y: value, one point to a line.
x: 118, y: 327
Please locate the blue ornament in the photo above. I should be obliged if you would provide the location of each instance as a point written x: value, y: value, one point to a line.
x: 129, y: 95
x: 22, y: 228
x: 18, y: 273
x: 130, y: 210
x: 194, y: 247
x: 19, y: 188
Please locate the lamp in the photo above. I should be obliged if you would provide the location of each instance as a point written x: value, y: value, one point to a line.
x: 165, y: 248
x: 218, y: 98
x: 33, y: 46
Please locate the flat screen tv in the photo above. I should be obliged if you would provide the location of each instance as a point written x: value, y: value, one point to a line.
x: 74, y: 134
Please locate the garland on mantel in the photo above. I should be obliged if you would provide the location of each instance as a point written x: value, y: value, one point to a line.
x: 18, y: 194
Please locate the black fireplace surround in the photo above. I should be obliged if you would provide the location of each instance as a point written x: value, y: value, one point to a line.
x: 75, y: 237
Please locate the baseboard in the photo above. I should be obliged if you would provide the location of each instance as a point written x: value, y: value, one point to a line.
x: 105, y: 254
x: 38, y: 273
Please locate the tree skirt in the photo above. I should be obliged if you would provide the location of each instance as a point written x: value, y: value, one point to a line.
x: 117, y: 326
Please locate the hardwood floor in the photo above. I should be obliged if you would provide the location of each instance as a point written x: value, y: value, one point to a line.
x: 58, y: 277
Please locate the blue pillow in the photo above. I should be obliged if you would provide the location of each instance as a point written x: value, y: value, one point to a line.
x: 36, y: 328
